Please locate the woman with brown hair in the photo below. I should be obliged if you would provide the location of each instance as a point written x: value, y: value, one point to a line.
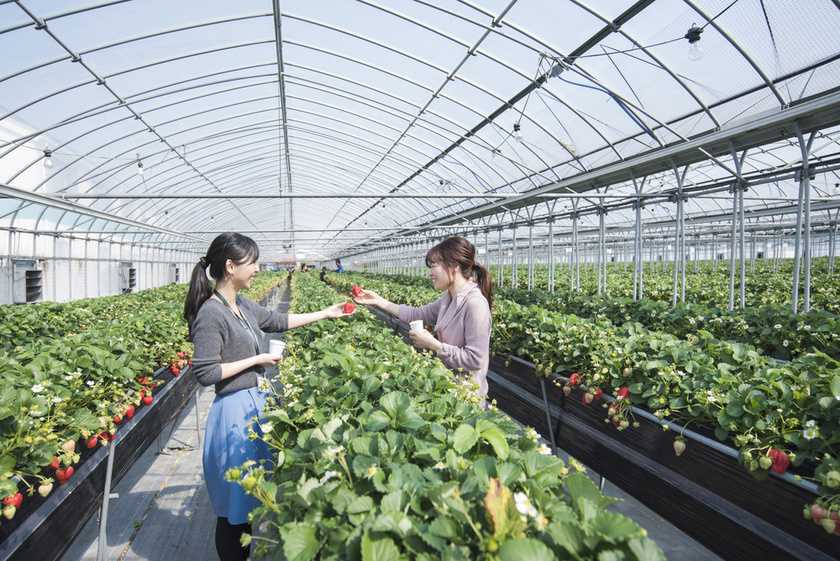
x: 461, y: 316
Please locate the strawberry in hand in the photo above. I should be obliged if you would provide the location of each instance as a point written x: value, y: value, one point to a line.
x: 356, y: 290
x: 349, y: 307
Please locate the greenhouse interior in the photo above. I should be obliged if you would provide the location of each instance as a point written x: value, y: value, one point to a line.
x: 631, y: 206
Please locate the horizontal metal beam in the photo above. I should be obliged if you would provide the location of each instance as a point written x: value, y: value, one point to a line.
x: 55, y: 202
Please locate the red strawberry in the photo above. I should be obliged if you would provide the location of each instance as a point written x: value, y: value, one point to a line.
x: 598, y: 393
x: 142, y: 380
x: 574, y: 379
x: 189, y: 362
x: 148, y: 400
x: 623, y: 393
x: 63, y: 474
x: 91, y: 442
x: 818, y: 513
x: 70, y: 445
x: 182, y: 355
x: 349, y: 307
x: 780, y: 461
x: 106, y: 436
x: 175, y: 370
x: 357, y: 290
x: 834, y: 516
x: 567, y: 390
x: 617, y: 422
x: 14, y: 500
x: 679, y: 447
x: 129, y: 412
x: 117, y: 419
x: 54, y: 464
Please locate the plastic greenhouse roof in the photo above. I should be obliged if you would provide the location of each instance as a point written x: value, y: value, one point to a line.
x: 327, y: 128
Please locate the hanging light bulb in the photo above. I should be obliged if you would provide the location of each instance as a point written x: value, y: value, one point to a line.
x: 695, y: 51
x: 140, y: 168
x: 517, y: 132
x: 836, y: 189
x: 48, y: 163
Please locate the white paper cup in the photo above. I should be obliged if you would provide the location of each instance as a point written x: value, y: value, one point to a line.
x: 276, y: 347
x: 416, y: 325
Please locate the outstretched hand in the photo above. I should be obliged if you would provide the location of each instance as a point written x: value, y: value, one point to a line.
x: 336, y: 311
x: 367, y: 297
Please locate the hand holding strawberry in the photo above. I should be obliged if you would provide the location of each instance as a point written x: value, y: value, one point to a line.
x: 356, y: 290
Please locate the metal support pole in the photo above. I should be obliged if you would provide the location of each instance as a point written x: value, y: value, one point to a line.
x: 531, y: 256
x: 551, y: 255
x: 743, y: 260
x: 732, y: 248
x: 102, y: 545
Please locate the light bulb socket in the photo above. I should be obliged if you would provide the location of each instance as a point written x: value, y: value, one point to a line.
x: 48, y: 163
x: 517, y: 132
x: 693, y: 34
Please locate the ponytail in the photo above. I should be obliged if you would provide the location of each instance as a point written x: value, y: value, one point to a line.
x: 200, y: 290
x: 485, y: 282
x: 229, y: 246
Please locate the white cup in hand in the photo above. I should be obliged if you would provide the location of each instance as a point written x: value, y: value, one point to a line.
x: 277, y: 347
x: 416, y: 325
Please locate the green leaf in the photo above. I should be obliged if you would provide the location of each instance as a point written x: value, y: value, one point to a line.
x: 301, y: 543
x: 377, y: 421
x: 360, y: 505
x: 379, y: 549
x: 465, y: 438
x: 835, y: 386
x: 645, y: 550
x: 497, y: 441
x: 525, y: 549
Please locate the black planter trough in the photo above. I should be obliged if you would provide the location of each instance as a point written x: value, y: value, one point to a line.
x: 704, y: 492
x: 47, y: 527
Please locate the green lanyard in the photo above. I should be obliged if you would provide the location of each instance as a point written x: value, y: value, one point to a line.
x: 242, y: 321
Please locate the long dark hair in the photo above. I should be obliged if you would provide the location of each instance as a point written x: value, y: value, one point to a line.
x: 456, y: 252
x: 236, y: 247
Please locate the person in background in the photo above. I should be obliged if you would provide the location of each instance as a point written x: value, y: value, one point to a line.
x: 338, y: 267
x: 323, y: 274
x: 461, y: 316
x: 226, y: 330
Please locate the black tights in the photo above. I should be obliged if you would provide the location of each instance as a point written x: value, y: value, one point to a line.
x: 228, y: 544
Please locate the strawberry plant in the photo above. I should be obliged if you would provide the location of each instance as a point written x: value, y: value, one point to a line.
x: 378, y: 454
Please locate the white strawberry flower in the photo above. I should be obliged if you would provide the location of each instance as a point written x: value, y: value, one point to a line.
x: 440, y: 465
x: 544, y: 450
x: 524, y: 505
x: 37, y: 388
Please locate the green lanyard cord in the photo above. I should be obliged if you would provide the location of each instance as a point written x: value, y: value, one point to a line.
x: 242, y: 321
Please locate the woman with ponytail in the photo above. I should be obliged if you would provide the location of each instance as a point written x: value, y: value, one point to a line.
x: 461, y: 316
x: 227, y: 331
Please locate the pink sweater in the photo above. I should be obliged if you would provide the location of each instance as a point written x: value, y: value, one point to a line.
x: 463, y: 326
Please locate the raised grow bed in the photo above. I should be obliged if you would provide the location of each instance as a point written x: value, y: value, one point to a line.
x: 704, y: 491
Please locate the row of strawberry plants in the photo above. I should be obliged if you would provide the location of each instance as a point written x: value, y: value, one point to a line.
x: 77, y: 371
x: 709, y: 287
x: 380, y: 457
x: 774, y: 330
x: 774, y: 413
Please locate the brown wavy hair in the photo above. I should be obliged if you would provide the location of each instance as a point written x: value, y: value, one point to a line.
x: 456, y: 252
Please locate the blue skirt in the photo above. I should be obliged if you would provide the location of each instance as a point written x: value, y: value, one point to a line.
x: 226, y: 445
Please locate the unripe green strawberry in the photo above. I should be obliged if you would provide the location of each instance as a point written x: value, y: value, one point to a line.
x: 236, y: 473
x: 807, y: 512
x: 828, y: 524
x: 9, y: 512
x: 832, y: 479
x: 679, y: 447
x: 45, y: 488
x: 249, y: 482
x: 765, y: 462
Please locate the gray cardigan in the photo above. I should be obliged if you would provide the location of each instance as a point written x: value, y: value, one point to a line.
x: 219, y: 338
